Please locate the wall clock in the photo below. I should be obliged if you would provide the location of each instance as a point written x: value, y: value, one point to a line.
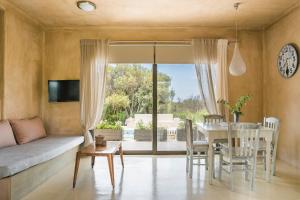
x: 288, y: 61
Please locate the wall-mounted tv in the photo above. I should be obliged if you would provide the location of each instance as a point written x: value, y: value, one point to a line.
x: 63, y: 90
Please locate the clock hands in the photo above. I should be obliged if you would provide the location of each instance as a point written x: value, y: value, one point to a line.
x: 285, y: 67
x: 287, y: 71
x: 287, y: 64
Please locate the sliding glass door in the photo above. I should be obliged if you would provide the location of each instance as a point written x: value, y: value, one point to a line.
x: 128, y: 106
x: 146, y: 105
x: 177, y: 99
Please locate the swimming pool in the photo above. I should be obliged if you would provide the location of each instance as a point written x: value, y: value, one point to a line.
x: 128, y: 134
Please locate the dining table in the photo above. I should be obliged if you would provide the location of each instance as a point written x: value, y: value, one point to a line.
x: 217, y: 131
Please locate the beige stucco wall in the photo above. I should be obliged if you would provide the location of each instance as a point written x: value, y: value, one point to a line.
x: 22, y: 70
x: 250, y: 82
x: 1, y: 60
x: 62, y: 61
x: 281, y: 96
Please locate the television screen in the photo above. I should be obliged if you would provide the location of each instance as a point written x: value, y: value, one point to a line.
x: 63, y: 90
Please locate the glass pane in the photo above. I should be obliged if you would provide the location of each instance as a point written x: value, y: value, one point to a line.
x: 128, y: 106
x: 178, y: 99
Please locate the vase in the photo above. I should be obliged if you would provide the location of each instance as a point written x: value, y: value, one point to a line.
x: 236, y: 117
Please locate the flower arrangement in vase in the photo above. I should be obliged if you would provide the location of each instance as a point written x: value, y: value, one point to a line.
x: 236, y: 109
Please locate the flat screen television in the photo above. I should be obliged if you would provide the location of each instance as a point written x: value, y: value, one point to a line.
x: 63, y: 90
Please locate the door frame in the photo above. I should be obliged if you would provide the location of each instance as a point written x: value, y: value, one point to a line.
x: 154, y: 150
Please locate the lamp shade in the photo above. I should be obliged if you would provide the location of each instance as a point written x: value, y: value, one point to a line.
x: 237, y: 66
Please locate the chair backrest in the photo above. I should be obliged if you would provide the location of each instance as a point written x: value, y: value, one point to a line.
x: 189, y: 133
x: 246, y: 136
x: 213, y: 119
x: 273, y: 123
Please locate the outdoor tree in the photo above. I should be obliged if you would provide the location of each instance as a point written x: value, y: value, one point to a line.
x: 130, y: 85
x: 129, y: 91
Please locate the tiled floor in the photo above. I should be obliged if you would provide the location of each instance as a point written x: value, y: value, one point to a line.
x: 161, y: 177
x: 147, y: 146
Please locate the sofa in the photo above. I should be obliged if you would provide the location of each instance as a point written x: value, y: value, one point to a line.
x: 26, y: 163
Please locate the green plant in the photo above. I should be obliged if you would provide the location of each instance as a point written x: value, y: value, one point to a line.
x: 117, y: 102
x: 194, y: 116
x: 115, y: 106
x: 237, y: 107
x: 114, y: 117
x: 129, y: 88
x: 181, y: 125
x: 142, y: 126
x: 109, y: 125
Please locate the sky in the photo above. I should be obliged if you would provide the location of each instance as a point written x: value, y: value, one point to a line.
x: 184, y: 80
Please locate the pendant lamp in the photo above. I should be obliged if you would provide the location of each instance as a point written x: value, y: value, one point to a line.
x: 237, y: 66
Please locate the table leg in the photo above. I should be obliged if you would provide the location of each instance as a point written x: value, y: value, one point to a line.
x: 121, y: 155
x: 210, y: 160
x: 110, y: 160
x: 268, y: 158
x: 93, y: 161
x: 76, y: 168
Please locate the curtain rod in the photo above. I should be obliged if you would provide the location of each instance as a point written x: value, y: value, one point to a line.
x: 155, y: 43
x: 151, y: 43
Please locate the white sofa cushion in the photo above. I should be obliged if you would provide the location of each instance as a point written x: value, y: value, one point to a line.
x: 17, y: 158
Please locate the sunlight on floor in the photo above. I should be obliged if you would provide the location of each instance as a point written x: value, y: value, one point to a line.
x: 159, y: 177
x: 147, y: 146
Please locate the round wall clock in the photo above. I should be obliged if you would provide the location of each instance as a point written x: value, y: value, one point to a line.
x: 288, y: 61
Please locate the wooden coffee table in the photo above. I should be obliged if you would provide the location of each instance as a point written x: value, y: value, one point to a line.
x: 109, y: 151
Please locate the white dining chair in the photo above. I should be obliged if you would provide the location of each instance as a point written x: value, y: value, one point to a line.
x: 213, y: 120
x: 195, y: 149
x: 241, y: 154
x: 273, y: 123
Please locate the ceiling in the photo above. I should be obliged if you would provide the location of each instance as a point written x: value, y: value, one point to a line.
x: 207, y: 13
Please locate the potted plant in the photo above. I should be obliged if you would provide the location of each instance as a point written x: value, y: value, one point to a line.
x: 161, y: 134
x: 236, y: 109
x: 143, y: 132
x: 113, y: 118
x: 110, y: 130
x: 181, y: 136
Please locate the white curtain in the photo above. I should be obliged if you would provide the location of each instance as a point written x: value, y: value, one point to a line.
x: 222, y: 75
x: 205, y: 56
x: 94, y: 58
x: 211, y: 70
